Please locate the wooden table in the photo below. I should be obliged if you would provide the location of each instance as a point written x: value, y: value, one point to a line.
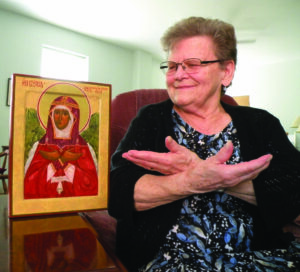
x: 64, y: 242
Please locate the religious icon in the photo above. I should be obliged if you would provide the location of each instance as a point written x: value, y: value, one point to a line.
x: 61, y: 163
x: 57, y: 152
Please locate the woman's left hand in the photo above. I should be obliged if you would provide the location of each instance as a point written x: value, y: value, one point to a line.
x: 169, y: 163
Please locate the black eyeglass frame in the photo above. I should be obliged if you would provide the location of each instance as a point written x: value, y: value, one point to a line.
x: 164, y: 65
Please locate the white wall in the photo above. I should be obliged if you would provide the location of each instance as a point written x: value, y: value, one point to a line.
x: 272, y: 82
x: 146, y: 73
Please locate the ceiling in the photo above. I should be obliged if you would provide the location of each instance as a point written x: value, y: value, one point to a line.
x: 139, y: 24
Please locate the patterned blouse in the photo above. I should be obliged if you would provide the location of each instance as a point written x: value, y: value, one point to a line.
x: 213, y: 231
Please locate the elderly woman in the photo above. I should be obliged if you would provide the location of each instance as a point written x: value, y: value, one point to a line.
x: 196, y: 184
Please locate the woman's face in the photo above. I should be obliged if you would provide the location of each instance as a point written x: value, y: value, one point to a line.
x: 201, y: 89
x: 61, y: 118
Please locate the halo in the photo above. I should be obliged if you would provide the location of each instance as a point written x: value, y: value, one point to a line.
x: 64, y: 89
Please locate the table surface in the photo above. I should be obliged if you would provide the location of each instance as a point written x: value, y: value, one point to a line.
x: 51, y: 243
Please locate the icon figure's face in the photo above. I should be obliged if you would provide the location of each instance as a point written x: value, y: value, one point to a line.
x: 61, y: 118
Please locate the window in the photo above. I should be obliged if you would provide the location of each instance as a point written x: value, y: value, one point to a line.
x: 63, y: 64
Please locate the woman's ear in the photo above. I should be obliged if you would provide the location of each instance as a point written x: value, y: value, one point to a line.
x: 229, y: 69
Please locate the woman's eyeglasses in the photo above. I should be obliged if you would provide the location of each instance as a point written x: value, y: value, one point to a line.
x: 190, y: 66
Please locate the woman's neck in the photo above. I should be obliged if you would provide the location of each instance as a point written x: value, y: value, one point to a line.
x: 208, y: 121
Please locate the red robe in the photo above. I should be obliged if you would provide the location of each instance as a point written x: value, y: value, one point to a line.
x: 83, y: 182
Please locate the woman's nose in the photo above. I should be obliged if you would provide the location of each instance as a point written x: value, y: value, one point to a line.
x: 180, y: 72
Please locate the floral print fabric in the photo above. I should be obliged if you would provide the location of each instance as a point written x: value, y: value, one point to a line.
x: 213, y: 231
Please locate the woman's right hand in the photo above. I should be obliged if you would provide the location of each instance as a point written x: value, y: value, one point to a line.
x: 173, y: 162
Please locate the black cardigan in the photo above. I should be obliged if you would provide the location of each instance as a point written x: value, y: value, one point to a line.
x: 277, y: 189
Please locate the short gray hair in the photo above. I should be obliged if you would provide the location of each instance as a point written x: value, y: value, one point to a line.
x: 222, y: 34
